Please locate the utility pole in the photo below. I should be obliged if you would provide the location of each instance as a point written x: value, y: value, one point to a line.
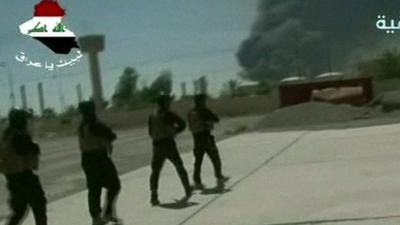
x: 79, y: 93
x: 203, y: 85
x: 10, y: 83
x: 195, y: 87
x: 297, y: 51
x: 329, y: 55
x: 41, y: 98
x: 24, y: 101
x: 183, y: 89
x: 56, y: 78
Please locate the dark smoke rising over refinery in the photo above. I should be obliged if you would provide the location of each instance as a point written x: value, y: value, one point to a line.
x: 307, y: 37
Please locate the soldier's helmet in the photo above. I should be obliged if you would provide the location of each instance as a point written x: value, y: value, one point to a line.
x: 200, y: 98
x: 18, y: 118
x: 87, y: 107
x: 162, y: 99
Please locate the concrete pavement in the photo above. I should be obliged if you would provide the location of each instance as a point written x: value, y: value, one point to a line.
x: 330, y: 177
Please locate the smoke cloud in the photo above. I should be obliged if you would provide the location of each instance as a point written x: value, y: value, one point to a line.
x: 309, y: 37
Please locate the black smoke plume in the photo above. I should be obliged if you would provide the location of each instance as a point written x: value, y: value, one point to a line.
x: 308, y: 37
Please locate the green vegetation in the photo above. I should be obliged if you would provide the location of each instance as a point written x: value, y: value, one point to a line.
x: 126, y: 90
x: 385, y: 66
x: 128, y: 95
x: 230, y: 89
x: 49, y: 113
x: 162, y: 84
x: 131, y: 105
x: 70, y: 111
x: 263, y: 88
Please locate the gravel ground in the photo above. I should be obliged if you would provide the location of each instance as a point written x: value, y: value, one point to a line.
x: 325, y: 115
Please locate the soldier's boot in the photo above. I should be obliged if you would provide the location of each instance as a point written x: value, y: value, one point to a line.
x: 154, y: 199
x: 113, y: 219
x: 188, y: 194
x: 199, y: 186
x: 222, y: 180
x: 99, y: 221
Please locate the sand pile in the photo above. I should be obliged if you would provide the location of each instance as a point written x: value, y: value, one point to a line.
x: 314, y: 113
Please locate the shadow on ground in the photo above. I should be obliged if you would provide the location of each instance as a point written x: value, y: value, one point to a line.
x: 215, y: 190
x: 178, y: 204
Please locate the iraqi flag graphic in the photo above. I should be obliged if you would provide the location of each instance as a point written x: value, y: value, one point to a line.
x: 47, y: 27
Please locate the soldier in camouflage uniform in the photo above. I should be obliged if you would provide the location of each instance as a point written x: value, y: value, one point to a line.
x: 164, y: 125
x: 95, y: 140
x: 201, y: 123
x: 19, y: 157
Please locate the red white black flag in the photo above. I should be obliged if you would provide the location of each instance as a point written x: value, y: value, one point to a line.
x: 47, y: 27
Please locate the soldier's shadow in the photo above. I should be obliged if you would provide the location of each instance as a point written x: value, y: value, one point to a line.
x: 215, y: 190
x: 178, y: 204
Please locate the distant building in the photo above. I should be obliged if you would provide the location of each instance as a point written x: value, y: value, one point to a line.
x: 293, y: 79
x: 247, y: 88
x: 329, y: 87
x: 331, y: 75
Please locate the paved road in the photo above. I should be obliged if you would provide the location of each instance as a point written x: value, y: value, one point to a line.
x: 329, y: 177
x: 61, y: 172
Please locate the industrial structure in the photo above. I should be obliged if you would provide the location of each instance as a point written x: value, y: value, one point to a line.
x: 92, y: 45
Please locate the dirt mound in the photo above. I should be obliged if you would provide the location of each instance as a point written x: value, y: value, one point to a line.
x: 391, y: 101
x: 313, y: 113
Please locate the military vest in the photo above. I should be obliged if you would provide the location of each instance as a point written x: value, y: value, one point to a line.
x: 11, y: 162
x: 196, y: 124
x: 88, y: 142
x: 161, y: 128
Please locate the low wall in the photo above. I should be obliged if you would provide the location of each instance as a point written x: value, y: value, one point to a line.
x: 296, y: 93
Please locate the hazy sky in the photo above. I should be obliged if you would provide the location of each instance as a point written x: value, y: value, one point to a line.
x: 190, y: 37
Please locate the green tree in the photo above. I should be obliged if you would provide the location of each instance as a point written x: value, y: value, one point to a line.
x: 230, y: 88
x: 386, y: 66
x: 161, y: 85
x: 49, y: 113
x: 126, y: 90
x: 263, y: 88
x: 70, y: 111
x: 389, y: 64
